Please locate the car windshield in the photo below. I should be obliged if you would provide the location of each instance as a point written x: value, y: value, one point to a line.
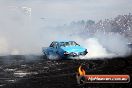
x: 70, y: 43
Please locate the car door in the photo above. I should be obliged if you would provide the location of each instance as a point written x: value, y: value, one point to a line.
x: 51, y: 48
x: 55, y: 47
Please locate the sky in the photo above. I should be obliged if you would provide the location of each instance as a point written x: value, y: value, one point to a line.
x: 27, y: 25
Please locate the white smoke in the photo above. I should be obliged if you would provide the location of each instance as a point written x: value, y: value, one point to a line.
x: 3, y: 46
x: 102, y: 45
x: 26, y: 33
x: 114, y: 43
x: 95, y: 49
x: 15, y: 52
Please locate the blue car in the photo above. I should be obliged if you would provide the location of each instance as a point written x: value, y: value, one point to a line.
x: 64, y: 49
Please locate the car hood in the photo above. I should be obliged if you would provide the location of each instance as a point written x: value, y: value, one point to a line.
x: 76, y: 49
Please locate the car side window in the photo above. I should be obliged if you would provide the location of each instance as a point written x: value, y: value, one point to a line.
x: 52, y: 44
x: 55, y: 45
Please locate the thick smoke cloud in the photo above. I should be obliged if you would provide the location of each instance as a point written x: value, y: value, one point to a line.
x: 114, y: 43
x: 26, y: 26
x: 3, y: 46
x: 16, y: 30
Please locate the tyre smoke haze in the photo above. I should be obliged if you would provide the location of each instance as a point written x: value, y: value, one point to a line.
x: 26, y: 27
x: 22, y: 36
x: 3, y: 46
x: 100, y: 45
x: 106, y: 46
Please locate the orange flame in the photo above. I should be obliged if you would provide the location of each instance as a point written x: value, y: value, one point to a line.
x: 81, y: 71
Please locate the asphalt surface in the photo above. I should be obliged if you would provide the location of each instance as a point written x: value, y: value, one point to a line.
x: 36, y: 72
